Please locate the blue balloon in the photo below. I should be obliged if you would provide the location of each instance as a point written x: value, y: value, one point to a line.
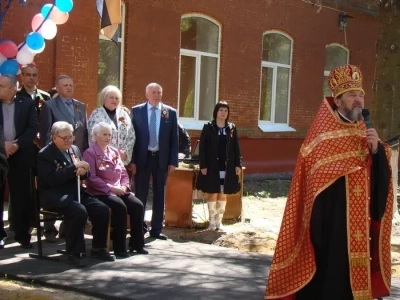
x: 35, y: 40
x: 45, y: 10
x: 64, y: 5
x: 9, y: 67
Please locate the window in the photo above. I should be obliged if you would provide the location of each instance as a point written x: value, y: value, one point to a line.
x: 275, y: 82
x: 336, y: 55
x: 199, y: 65
x: 111, y: 58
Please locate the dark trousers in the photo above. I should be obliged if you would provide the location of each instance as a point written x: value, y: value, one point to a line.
x: 120, y: 207
x: 19, y: 183
x: 142, y: 181
x: 75, y: 219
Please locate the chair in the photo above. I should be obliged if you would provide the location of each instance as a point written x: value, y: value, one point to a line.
x: 52, y: 216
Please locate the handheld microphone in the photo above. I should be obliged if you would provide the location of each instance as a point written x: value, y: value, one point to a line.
x: 367, y: 117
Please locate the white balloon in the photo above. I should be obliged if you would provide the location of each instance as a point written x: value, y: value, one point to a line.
x: 48, y: 29
x: 2, y: 59
x: 25, y: 56
x: 37, y: 51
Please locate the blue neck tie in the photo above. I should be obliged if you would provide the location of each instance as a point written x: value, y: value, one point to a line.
x: 153, y: 128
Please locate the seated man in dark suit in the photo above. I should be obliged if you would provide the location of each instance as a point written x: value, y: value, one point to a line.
x: 59, y: 165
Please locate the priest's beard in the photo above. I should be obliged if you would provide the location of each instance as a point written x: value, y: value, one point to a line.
x: 354, y: 114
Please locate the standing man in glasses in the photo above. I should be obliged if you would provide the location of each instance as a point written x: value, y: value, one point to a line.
x: 18, y: 118
x: 63, y: 108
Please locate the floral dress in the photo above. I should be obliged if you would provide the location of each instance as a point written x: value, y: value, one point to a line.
x: 123, y: 135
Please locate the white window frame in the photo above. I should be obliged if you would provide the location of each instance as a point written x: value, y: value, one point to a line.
x: 326, y: 73
x: 194, y: 123
x: 271, y: 126
x: 121, y: 40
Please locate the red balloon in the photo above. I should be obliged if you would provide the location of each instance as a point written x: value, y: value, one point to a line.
x: 8, y: 49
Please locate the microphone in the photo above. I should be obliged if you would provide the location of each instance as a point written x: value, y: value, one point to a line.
x: 367, y: 117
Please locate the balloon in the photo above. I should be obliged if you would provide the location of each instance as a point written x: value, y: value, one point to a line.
x: 35, y: 40
x: 59, y: 17
x: 48, y: 30
x: 2, y: 59
x: 38, y: 50
x: 9, y: 67
x: 8, y: 49
x: 64, y: 5
x: 45, y: 10
x: 19, y: 72
x: 25, y: 56
x: 37, y: 20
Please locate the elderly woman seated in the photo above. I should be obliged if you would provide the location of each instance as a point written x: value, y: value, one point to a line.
x: 109, y: 182
x: 59, y: 165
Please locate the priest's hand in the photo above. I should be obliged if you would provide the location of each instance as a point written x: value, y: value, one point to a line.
x: 372, y: 140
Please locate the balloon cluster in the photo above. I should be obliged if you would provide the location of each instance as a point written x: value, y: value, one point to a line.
x: 44, y: 26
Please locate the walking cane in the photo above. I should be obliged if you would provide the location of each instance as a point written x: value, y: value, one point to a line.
x: 79, y: 177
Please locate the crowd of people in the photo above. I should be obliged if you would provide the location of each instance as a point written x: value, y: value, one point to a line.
x: 334, y: 241
x: 48, y: 135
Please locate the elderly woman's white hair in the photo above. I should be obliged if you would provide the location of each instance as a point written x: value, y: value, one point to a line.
x: 99, y: 127
x: 109, y: 89
x: 61, y: 126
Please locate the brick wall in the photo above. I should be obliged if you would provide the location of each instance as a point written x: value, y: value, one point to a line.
x: 73, y: 51
x: 153, y: 43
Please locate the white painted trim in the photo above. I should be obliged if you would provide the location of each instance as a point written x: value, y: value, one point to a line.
x: 275, y: 127
x: 190, y: 124
x: 326, y: 73
x: 197, y: 55
x: 275, y: 66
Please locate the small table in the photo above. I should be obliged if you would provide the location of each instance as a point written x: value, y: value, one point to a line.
x: 179, y: 199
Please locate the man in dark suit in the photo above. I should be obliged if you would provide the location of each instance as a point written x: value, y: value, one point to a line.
x: 29, y: 80
x: 59, y: 164
x: 3, y: 176
x: 19, y: 120
x: 155, y: 152
x: 63, y: 108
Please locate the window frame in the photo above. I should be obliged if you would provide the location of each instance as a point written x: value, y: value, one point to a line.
x: 121, y: 41
x: 271, y: 126
x: 194, y: 123
x: 326, y: 73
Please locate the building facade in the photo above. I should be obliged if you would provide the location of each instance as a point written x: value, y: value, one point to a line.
x: 269, y: 59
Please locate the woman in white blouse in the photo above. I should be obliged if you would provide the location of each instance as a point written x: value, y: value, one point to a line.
x: 111, y: 112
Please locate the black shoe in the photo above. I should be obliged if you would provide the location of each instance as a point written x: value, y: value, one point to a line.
x: 26, y: 245
x: 1, y: 244
x: 102, y: 255
x: 159, y: 236
x: 76, y: 262
x: 122, y: 254
x: 139, y: 251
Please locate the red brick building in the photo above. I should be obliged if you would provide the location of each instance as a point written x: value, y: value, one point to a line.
x: 267, y: 58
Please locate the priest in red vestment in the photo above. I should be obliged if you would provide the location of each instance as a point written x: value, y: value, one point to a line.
x: 334, y: 241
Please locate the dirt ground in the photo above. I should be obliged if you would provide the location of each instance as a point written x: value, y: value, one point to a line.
x: 263, y: 204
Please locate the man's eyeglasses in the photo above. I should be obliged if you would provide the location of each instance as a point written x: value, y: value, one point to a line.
x: 67, y: 138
